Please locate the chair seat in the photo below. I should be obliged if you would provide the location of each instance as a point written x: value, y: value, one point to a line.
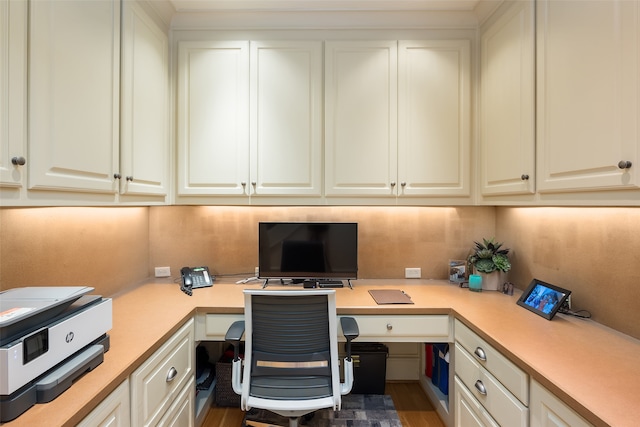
x: 291, y: 388
x: 288, y: 408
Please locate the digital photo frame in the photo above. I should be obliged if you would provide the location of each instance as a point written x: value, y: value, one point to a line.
x: 544, y: 299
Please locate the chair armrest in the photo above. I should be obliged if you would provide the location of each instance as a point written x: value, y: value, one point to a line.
x: 349, y: 328
x: 234, y: 335
x: 350, y: 331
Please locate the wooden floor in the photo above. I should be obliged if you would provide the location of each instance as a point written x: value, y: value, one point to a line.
x: 411, y: 402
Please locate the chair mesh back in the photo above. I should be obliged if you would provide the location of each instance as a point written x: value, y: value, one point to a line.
x: 290, y: 347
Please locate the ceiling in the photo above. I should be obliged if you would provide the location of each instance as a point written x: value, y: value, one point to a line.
x: 325, y: 5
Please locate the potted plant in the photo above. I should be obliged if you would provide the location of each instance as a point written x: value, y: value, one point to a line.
x: 489, y: 259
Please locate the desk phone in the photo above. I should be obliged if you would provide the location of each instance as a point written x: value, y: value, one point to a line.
x: 195, y: 277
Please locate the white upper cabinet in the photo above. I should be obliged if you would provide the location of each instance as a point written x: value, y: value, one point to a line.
x: 507, y: 102
x: 144, y: 140
x: 434, y: 111
x: 74, y: 69
x: 250, y: 118
x: 286, y: 118
x: 13, y: 92
x: 213, y: 118
x: 361, y: 128
x: 588, y: 95
x: 397, y: 118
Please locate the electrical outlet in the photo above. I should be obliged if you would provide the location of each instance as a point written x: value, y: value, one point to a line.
x: 412, y: 273
x: 163, y: 271
x: 257, y: 271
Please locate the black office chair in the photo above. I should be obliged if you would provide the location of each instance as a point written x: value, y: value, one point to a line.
x: 291, y: 364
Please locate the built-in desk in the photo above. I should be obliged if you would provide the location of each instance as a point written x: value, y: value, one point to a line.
x: 591, y: 368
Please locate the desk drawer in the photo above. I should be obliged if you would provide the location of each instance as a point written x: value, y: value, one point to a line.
x: 512, y: 377
x: 409, y: 328
x: 158, y: 381
x: 494, y: 397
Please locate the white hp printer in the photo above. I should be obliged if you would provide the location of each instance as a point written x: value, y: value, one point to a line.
x: 49, y: 337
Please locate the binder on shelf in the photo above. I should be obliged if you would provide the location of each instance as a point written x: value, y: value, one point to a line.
x: 440, y: 374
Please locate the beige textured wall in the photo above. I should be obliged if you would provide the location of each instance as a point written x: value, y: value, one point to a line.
x: 594, y: 252
x: 106, y: 248
x: 389, y: 238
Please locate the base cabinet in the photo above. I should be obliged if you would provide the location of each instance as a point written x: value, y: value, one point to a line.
x: 114, y: 411
x: 484, y: 377
x: 161, y: 385
x: 468, y: 411
x: 182, y: 411
x: 547, y: 410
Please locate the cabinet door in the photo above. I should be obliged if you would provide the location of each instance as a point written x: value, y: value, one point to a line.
x: 213, y: 118
x: 160, y: 381
x: 13, y: 90
x: 182, y: 410
x: 434, y: 118
x: 468, y: 411
x: 361, y: 118
x: 114, y: 411
x: 74, y: 68
x: 507, y: 99
x: 587, y: 118
x: 145, y: 104
x: 286, y: 118
x: 549, y: 411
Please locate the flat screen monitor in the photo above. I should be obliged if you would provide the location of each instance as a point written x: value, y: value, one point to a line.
x: 308, y: 250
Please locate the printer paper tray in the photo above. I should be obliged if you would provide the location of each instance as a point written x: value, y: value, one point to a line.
x: 53, y: 383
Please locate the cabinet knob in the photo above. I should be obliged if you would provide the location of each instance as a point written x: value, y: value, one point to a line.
x: 117, y: 176
x: 253, y: 183
x: 624, y: 164
x: 243, y: 183
x: 481, y: 388
x: 393, y: 183
x: 389, y: 326
x: 19, y: 161
x: 479, y: 352
x: 171, y: 374
x: 524, y: 177
x: 404, y: 184
x: 129, y: 178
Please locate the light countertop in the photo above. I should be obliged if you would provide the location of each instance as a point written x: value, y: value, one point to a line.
x: 594, y: 369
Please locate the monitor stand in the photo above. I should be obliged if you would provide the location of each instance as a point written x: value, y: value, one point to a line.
x: 314, y: 283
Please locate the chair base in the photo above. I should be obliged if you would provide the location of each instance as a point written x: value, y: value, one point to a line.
x: 293, y: 422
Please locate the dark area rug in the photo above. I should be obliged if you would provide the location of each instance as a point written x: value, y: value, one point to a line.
x: 358, y: 410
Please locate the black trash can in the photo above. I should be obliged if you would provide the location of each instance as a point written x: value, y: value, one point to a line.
x: 369, y: 367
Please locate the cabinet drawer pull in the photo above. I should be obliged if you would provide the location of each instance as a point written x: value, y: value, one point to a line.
x: 624, y: 164
x: 389, y: 326
x: 18, y: 161
x: 480, y: 354
x: 171, y: 374
x: 481, y: 388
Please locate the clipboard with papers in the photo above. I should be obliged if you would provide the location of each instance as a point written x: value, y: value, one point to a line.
x: 390, y: 296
